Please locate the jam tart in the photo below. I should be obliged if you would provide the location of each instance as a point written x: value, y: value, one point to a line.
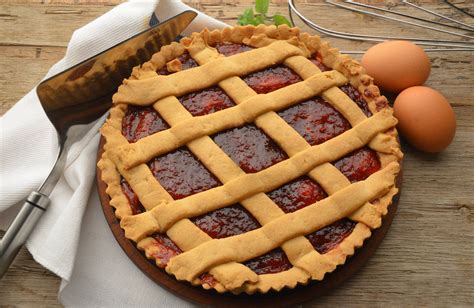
x: 250, y: 159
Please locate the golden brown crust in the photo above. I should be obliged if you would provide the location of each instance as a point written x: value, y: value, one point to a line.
x: 276, y: 45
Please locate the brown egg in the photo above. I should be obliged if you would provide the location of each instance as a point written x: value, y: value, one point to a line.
x: 425, y: 118
x: 397, y: 65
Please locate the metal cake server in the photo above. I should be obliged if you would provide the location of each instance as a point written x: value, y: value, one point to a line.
x: 80, y: 95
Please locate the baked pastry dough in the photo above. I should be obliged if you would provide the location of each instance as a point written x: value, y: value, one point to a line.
x: 223, y: 263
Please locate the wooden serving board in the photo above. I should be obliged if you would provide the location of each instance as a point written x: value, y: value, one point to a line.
x: 285, y: 297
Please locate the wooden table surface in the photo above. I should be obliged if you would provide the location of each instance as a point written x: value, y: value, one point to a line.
x: 427, y: 257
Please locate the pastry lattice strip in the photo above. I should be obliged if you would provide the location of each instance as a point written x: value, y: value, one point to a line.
x: 302, y: 76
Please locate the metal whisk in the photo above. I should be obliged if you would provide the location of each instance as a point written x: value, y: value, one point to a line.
x: 466, y: 44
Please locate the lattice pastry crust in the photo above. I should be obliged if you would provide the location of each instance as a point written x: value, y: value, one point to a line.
x: 222, y: 257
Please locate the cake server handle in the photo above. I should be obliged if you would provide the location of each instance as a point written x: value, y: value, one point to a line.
x: 32, y: 210
x: 20, y: 228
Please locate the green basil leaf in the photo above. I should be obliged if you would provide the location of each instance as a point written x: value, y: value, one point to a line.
x: 247, y: 18
x: 261, y: 6
x: 241, y: 20
x: 259, y: 19
x: 281, y: 20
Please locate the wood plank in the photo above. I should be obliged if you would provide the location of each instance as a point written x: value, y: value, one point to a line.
x: 22, y: 68
x: 28, y: 284
x: 37, y: 24
x: 427, y: 257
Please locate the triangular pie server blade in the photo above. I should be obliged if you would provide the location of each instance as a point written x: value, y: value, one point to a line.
x: 83, y: 92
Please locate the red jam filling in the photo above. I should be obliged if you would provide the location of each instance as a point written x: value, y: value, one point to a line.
x: 330, y: 236
x: 297, y: 194
x: 319, y: 63
x: 357, y: 98
x: 167, y: 249
x: 230, y: 49
x: 234, y: 220
x: 271, y: 79
x: 140, y: 122
x: 225, y: 222
x: 358, y: 165
x: 316, y: 120
x: 186, y: 62
x: 132, y: 198
x: 350, y: 91
x: 206, y: 101
x: 274, y: 261
x: 182, y: 174
x: 249, y: 147
x: 209, y: 279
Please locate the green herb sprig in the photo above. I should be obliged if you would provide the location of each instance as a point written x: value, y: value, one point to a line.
x: 260, y: 16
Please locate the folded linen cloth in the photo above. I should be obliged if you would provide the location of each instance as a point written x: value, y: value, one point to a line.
x: 72, y: 239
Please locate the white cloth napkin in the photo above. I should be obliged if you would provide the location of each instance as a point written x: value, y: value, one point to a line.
x: 72, y: 238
